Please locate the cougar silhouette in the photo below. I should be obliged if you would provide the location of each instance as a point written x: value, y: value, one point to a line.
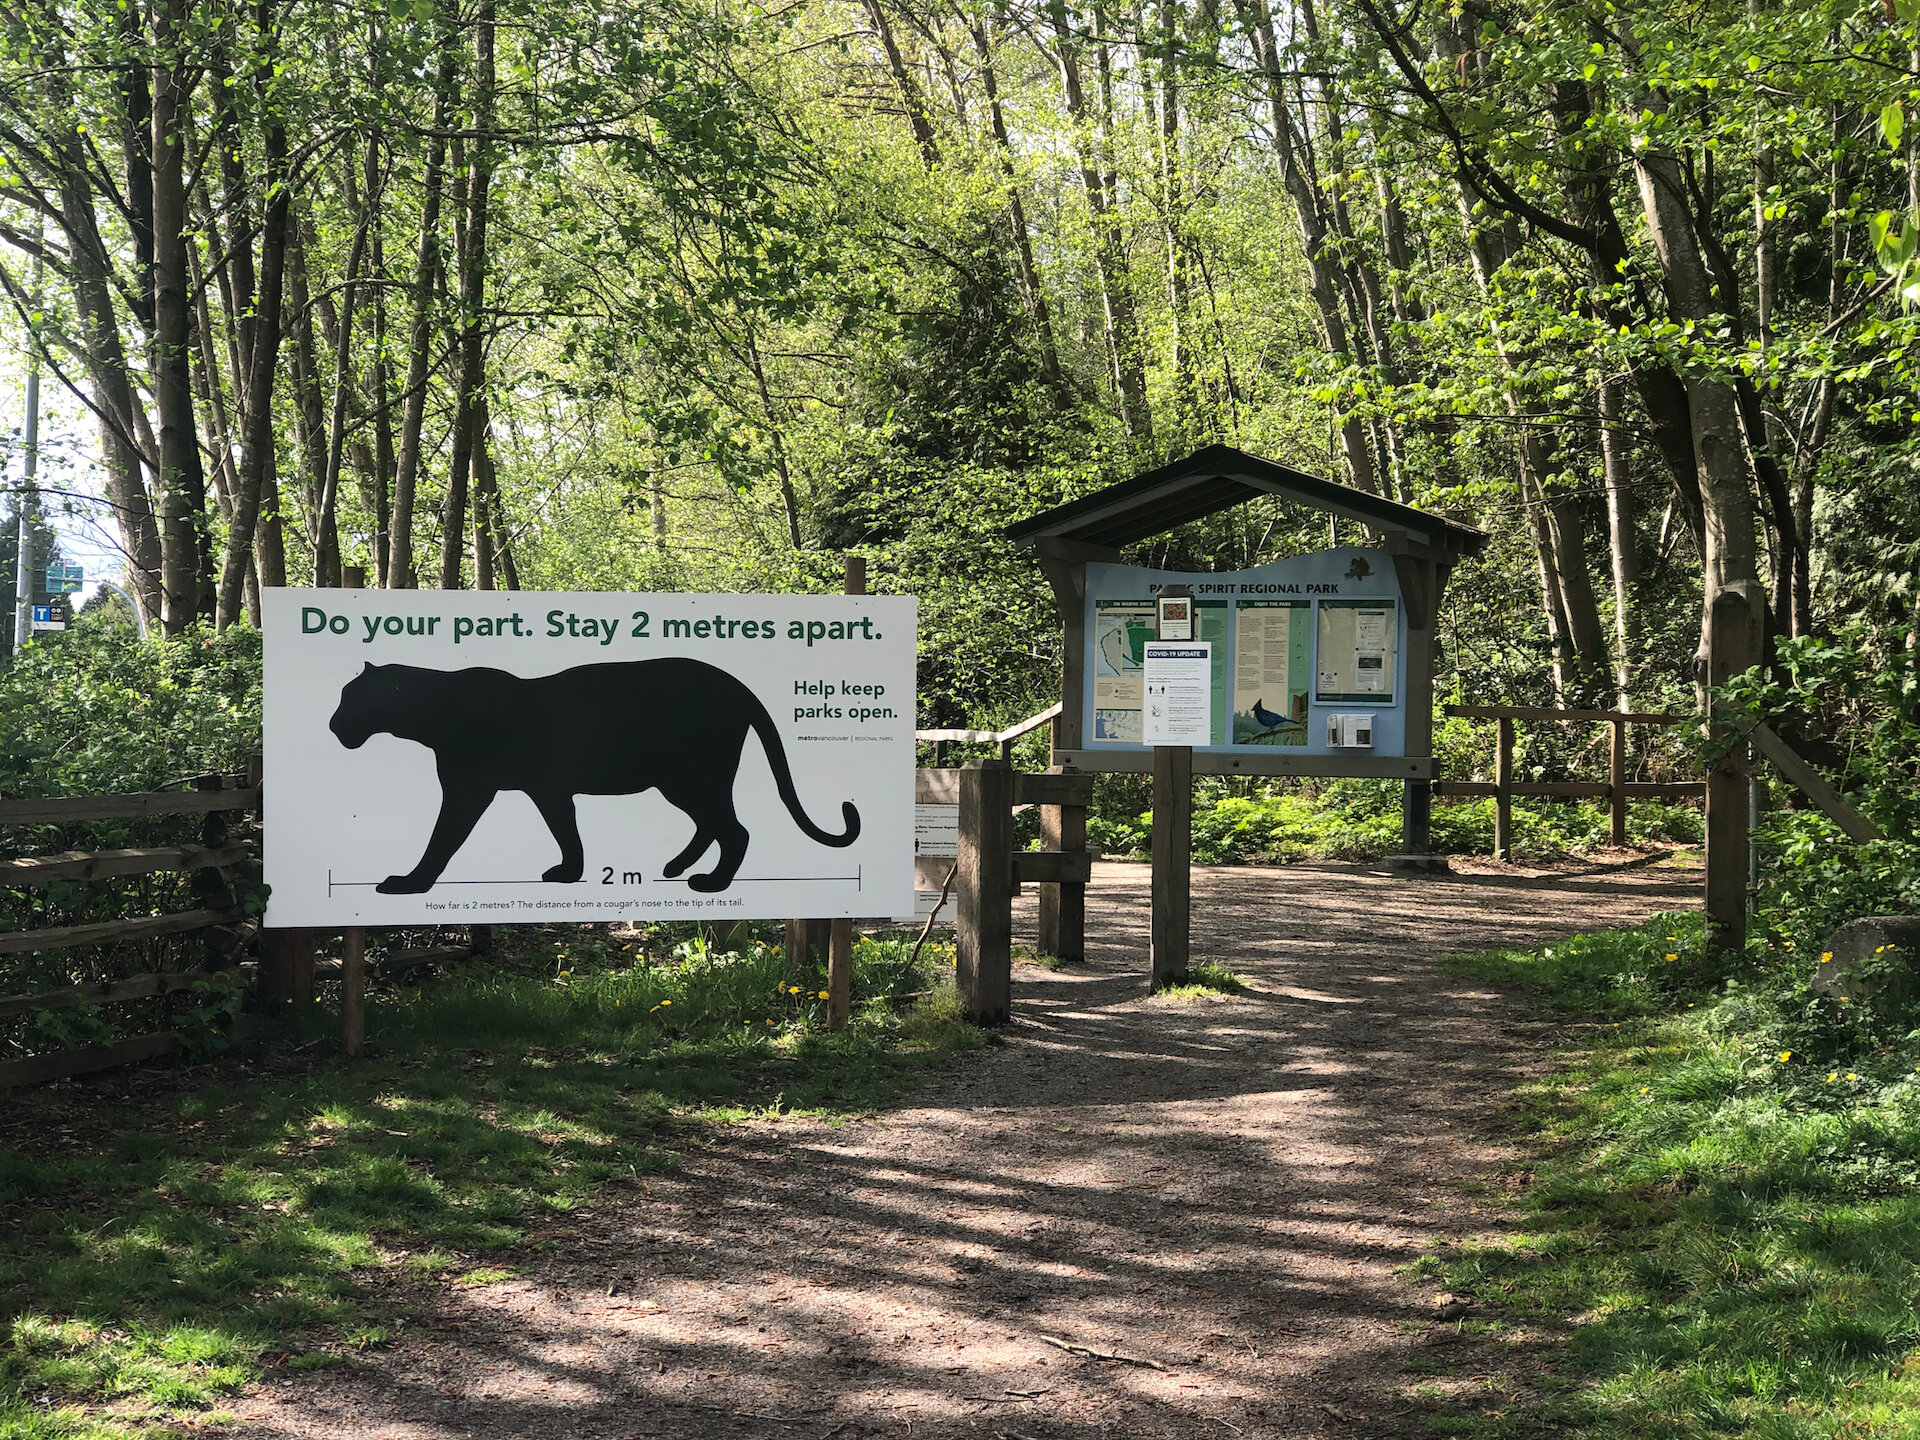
x: 677, y: 726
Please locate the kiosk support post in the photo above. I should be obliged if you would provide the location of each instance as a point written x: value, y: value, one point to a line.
x: 983, y: 932
x: 1172, y: 862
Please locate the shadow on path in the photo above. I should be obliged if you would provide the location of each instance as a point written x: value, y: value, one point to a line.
x: 1224, y: 1187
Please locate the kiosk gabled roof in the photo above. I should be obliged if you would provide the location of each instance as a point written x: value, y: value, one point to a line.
x: 1217, y: 478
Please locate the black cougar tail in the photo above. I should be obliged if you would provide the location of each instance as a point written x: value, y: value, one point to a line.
x: 776, y: 750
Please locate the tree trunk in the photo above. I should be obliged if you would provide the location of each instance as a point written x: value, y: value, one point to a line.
x: 910, y: 93
x: 473, y: 271
x: 1173, y: 201
x: 486, y: 482
x: 1552, y: 604
x: 343, y: 353
x: 1030, y: 286
x: 114, y: 399
x: 1323, y: 280
x: 1726, y: 490
x: 1123, y: 333
x: 309, y: 412
x: 426, y: 272
x: 1621, y: 537
x: 381, y: 475
x: 186, y: 559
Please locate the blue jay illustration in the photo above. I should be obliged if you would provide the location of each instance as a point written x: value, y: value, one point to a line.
x: 1271, y: 721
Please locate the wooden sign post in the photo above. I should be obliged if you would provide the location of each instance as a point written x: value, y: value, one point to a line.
x: 1172, y: 811
x: 1172, y: 862
x: 803, y: 936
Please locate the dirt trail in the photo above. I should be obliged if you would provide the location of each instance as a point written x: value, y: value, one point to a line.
x: 1223, y: 1188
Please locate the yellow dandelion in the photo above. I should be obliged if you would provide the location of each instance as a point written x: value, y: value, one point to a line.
x: 1786, y: 1055
x: 1643, y: 1089
x: 1852, y: 1076
x: 823, y: 994
x: 1673, y: 957
x: 1827, y: 959
x: 1832, y: 1075
x: 666, y: 1002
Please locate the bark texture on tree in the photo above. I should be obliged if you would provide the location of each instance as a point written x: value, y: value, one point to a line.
x: 472, y: 321
x: 186, y: 555
x: 426, y: 286
x: 1116, y: 297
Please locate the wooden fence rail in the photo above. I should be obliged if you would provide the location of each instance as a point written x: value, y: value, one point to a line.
x: 939, y: 739
x: 1616, y: 789
x: 219, y: 914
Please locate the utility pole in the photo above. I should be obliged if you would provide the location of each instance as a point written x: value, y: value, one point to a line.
x: 23, y: 562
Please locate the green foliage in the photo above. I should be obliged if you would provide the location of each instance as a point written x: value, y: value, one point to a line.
x: 239, y: 1219
x: 99, y: 711
x: 1732, y: 1225
x: 1360, y: 820
x: 1815, y: 879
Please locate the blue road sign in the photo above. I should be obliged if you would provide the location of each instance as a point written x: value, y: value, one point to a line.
x: 65, y: 579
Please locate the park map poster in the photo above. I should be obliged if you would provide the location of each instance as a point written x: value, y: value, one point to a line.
x: 1271, y: 672
x: 452, y: 757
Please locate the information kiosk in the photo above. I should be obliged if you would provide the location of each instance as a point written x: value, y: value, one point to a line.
x: 1321, y: 664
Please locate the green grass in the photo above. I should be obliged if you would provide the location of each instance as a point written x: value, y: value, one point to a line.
x: 1728, y: 1240
x: 1204, y: 982
x: 254, y: 1222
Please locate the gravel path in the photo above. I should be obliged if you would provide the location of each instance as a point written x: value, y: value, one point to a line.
x: 1219, y: 1190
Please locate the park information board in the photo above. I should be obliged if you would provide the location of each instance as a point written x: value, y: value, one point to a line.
x: 1295, y: 645
x: 452, y: 757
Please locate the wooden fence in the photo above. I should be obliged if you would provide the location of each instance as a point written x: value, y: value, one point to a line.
x: 1616, y: 788
x: 989, y: 872
x: 215, y: 862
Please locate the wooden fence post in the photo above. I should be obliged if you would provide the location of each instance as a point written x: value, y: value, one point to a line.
x: 1172, y: 862
x: 983, y: 929
x: 1063, y: 907
x: 1503, y: 791
x: 1617, y: 777
x: 839, y: 973
x: 1729, y: 651
x: 353, y: 991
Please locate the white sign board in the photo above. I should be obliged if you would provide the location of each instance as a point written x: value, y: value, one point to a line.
x: 1178, y: 677
x: 450, y: 757
x: 936, y: 832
